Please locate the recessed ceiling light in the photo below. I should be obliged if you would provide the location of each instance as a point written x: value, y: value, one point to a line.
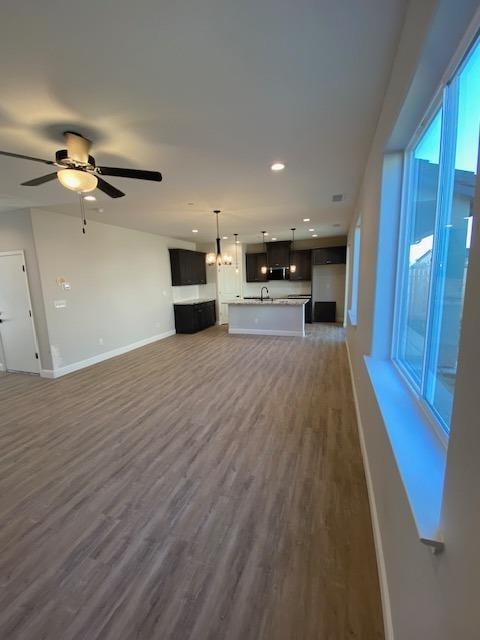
x: 266, y: 233
x: 99, y: 210
x: 194, y: 230
x: 314, y: 235
x: 190, y: 204
x: 277, y: 166
x: 273, y: 238
x: 337, y: 224
x: 89, y: 198
x: 224, y: 237
x: 311, y: 229
x: 306, y: 219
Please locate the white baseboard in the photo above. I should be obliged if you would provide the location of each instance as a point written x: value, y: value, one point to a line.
x: 88, y: 362
x: 266, y: 332
x: 377, y: 536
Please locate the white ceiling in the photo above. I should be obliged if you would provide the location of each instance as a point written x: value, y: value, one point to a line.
x: 209, y: 92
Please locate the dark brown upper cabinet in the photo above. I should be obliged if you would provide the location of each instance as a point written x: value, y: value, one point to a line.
x: 187, y: 267
x: 302, y: 259
x: 254, y: 264
x: 278, y: 254
x: 329, y: 255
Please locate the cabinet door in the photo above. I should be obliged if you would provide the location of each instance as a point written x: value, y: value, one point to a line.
x: 330, y: 255
x: 254, y: 263
x: 199, y: 269
x: 199, y: 311
x: 302, y: 259
x: 185, y: 318
x: 175, y: 267
x: 210, y: 314
x: 278, y: 254
x: 251, y: 267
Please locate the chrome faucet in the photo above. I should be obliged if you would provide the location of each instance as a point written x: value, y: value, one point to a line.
x: 261, y: 293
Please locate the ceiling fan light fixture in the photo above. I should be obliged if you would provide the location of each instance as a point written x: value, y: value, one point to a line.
x: 76, y: 180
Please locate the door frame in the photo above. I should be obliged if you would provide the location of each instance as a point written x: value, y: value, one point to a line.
x: 21, y: 252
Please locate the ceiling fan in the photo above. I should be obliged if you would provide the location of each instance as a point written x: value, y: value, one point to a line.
x: 76, y: 169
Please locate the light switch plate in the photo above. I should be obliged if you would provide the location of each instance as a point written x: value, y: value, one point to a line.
x: 60, y: 304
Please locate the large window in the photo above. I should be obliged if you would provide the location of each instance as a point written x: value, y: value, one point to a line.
x: 440, y: 184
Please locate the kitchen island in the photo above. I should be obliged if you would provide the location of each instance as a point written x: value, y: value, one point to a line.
x: 279, y: 317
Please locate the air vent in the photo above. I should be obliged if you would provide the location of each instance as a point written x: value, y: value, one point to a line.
x: 338, y: 197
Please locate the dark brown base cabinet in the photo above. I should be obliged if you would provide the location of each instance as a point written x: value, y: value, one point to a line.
x: 325, y: 312
x: 195, y: 316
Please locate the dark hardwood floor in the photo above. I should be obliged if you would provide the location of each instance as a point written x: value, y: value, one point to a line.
x: 204, y: 487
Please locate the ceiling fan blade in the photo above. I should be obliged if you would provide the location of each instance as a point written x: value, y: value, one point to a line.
x: 156, y: 176
x: 109, y: 189
x: 18, y: 155
x: 41, y: 180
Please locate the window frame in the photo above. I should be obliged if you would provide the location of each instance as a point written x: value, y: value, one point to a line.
x: 446, y: 100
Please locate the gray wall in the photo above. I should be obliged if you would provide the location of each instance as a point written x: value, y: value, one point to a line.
x: 429, y: 597
x: 16, y: 233
x: 120, y: 280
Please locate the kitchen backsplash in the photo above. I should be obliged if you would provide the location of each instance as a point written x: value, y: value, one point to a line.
x: 277, y: 289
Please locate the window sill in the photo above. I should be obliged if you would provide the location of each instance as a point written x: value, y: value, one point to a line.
x: 418, y: 452
x: 352, y: 318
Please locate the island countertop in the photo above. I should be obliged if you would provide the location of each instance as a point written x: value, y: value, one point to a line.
x: 291, y: 302
x: 277, y: 317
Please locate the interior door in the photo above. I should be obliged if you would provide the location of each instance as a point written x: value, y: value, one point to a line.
x: 229, y: 290
x: 16, y: 327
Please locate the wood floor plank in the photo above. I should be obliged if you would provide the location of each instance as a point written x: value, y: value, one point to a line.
x: 204, y: 487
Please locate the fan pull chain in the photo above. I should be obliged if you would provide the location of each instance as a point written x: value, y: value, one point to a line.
x: 82, y: 214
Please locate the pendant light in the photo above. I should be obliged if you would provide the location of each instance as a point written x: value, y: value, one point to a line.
x: 264, y: 269
x: 235, y: 235
x: 217, y: 258
x: 293, y: 267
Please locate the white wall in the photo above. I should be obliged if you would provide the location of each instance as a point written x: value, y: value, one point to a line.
x: 120, y: 280
x: 430, y: 597
x: 16, y: 233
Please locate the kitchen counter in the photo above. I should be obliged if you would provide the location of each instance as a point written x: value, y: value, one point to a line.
x: 278, y: 317
x: 195, y: 301
x: 270, y: 301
